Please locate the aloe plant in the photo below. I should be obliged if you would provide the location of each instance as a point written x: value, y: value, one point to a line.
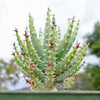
x: 47, y: 61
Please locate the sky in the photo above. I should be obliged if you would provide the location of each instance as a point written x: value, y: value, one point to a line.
x: 14, y: 14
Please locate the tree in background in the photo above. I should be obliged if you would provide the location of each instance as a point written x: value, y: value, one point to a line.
x: 82, y: 82
x: 94, y: 72
x: 8, y: 74
x: 94, y: 39
x: 90, y: 78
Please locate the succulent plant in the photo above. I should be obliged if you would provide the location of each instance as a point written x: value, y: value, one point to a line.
x: 47, y: 61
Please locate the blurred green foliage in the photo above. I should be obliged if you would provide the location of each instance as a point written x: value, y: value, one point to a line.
x: 8, y: 74
x: 94, y: 40
x: 94, y: 71
x: 82, y: 82
x: 90, y: 78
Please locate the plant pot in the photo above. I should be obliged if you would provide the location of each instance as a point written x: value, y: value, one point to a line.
x: 68, y: 95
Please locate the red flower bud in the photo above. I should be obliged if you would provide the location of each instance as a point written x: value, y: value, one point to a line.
x: 26, y: 35
x: 32, y: 83
x: 52, y: 28
x: 84, y: 54
x: 78, y: 45
x: 53, y: 22
x: 13, y: 44
x: 22, y: 53
x: 16, y: 30
x: 32, y: 65
x: 51, y: 42
x: 27, y: 80
x: 31, y: 72
x: 49, y: 64
x: 51, y: 45
x: 13, y: 54
x: 75, y: 76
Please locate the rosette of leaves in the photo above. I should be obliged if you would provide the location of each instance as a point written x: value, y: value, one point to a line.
x: 47, y: 61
